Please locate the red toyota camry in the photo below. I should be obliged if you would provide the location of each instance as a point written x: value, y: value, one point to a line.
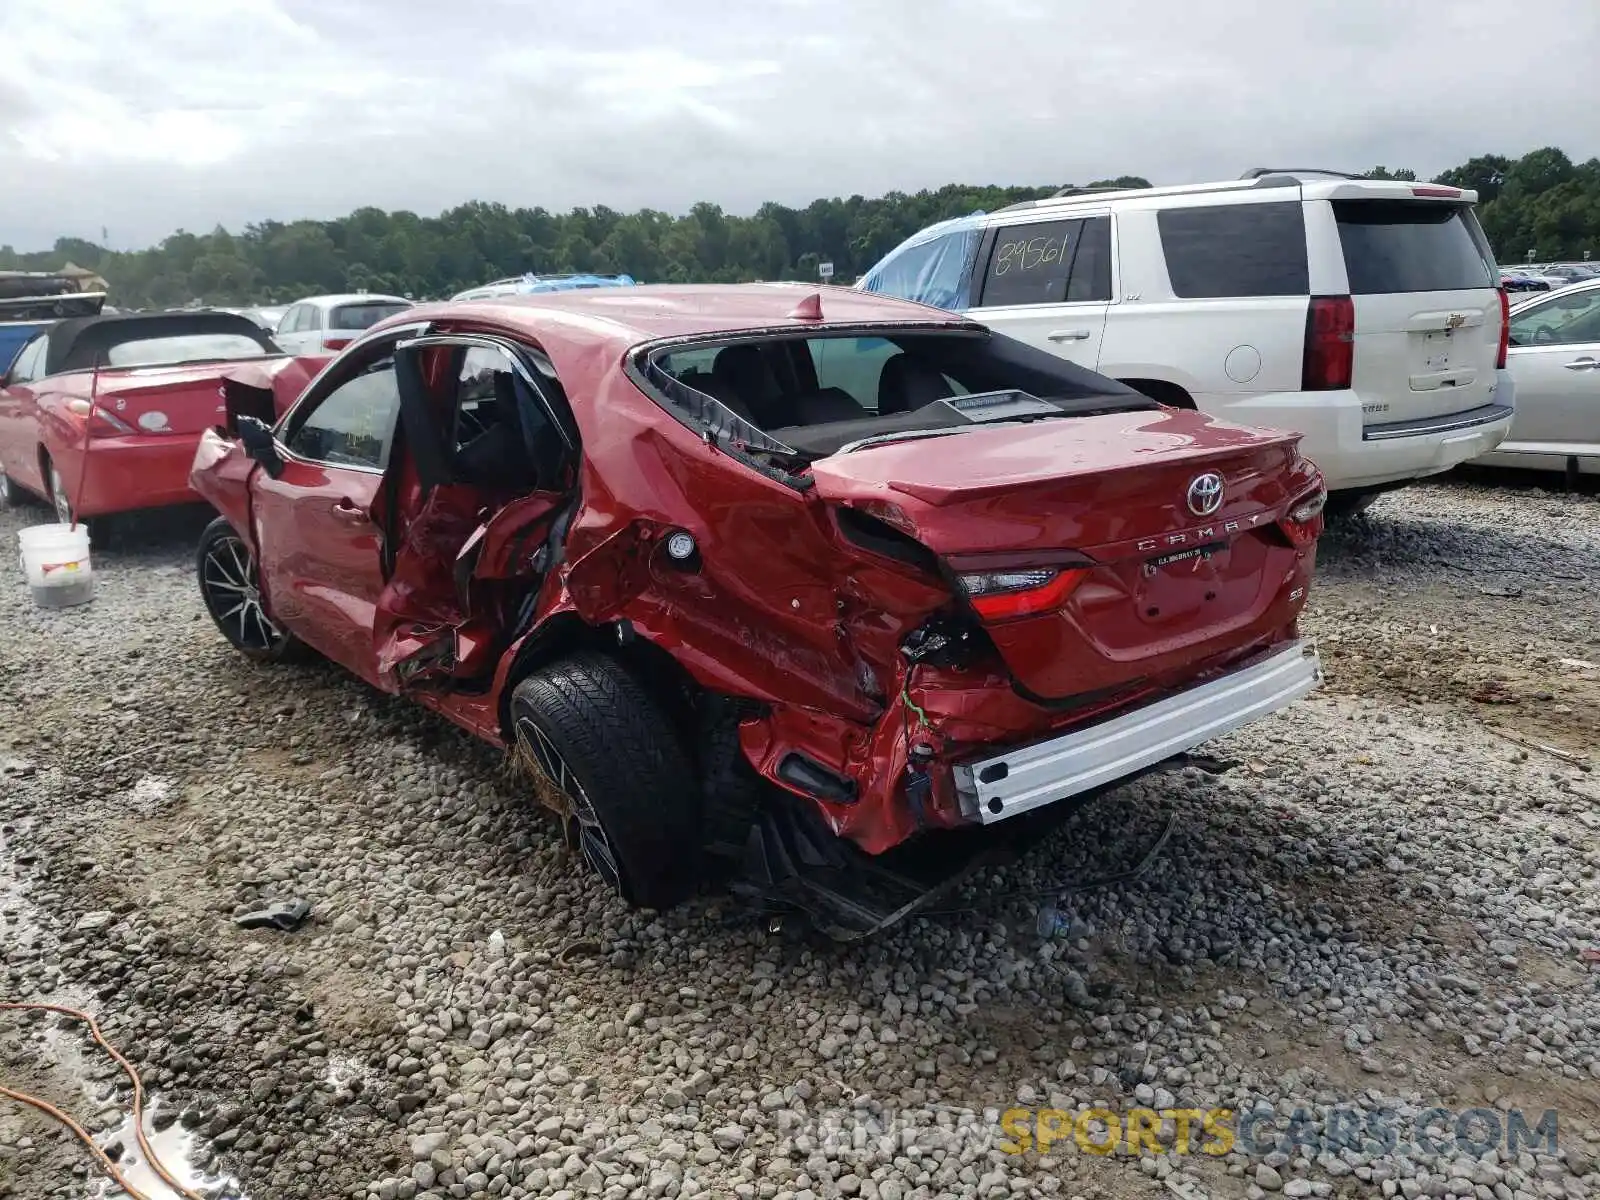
x: 803, y: 578
x: 101, y: 415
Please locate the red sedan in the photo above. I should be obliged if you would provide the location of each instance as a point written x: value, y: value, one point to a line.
x: 800, y: 577
x: 153, y: 380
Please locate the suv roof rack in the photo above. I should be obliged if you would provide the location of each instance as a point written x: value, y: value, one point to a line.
x: 1260, y: 172
x: 1079, y: 191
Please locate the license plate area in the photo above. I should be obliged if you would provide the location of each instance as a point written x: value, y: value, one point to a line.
x: 1191, y: 559
x: 1436, y: 350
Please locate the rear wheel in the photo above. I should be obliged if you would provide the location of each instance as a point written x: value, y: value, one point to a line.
x: 58, y: 496
x: 62, y: 503
x: 1342, y: 506
x: 608, y: 762
x: 231, y: 590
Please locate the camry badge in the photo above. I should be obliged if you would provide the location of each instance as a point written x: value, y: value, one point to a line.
x: 1205, y: 494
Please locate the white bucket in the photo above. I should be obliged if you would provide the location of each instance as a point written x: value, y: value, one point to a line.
x: 55, y: 558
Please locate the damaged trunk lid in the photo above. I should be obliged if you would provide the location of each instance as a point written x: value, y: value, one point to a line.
x: 1148, y: 533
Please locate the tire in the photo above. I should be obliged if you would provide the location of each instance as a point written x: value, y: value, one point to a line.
x: 8, y: 491
x: 226, y: 574
x: 97, y: 529
x: 606, y: 759
x: 1344, y: 506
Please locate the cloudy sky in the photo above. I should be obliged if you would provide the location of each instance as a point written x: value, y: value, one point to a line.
x: 143, y: 116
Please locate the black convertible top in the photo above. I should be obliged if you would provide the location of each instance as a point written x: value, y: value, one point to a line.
x: 77, y: 344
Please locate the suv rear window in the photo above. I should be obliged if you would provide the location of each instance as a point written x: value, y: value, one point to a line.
x: 1411, y: 246
x: 1236, y: 250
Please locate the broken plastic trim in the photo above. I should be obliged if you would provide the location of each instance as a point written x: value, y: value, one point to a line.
x: 710, y: 413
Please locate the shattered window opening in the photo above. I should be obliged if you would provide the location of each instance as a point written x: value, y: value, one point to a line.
x: 798, y: 398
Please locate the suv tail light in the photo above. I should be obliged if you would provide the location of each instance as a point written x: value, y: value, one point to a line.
x: 1330, y: 344
x: 1505, y: 330
x: 336, y: 343
x: 1302, y: 524
x: 1020, y: 591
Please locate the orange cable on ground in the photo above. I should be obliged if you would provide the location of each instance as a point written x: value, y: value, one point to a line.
x: 83, y: 1134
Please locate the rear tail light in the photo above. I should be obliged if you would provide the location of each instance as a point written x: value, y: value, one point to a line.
x: 100, y: 422
x: 1020, y: 591
x: 1330, y: 344
x: 1433, y: 191
x: 1505, y: 331
x: 1302, y: 524
x: 337, y: 343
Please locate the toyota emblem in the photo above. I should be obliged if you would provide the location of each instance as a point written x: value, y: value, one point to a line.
x: 1205, y: 494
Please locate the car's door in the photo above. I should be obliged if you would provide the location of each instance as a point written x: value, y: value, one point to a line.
x: 287, y: 333
x: 314, y: 322
x: 19, y: 419
x: 489, y: 466
x: 1554, y: 357
x: 1048, y: 283
x: 319, y: 536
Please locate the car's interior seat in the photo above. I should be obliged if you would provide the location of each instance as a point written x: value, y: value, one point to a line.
x: 906, y: 384
x: 742, y: 380
x: 499, y: 457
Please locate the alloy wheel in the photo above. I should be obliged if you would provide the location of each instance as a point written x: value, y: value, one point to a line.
x: 230, y: 586
x: 59, y: 497
x: 565, y: 794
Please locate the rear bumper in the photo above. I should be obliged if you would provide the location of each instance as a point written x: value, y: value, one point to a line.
x: 1353, y: 454
x: 1545, y: 456
x: 1003, y: 785
x: 131, y: 472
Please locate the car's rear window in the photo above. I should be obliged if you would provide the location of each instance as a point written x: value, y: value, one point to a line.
x: 187, y: 347
x: 1236, y: 250
x: 362, y: 316
x: 817, y: 394
x: 1412, y: 246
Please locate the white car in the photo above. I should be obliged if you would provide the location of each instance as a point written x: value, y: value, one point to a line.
x: 1555, y: 359
x: 1366, y: 315
x: 325, y: 324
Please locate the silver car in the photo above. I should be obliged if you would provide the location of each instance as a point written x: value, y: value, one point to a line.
x: 1554, y: 357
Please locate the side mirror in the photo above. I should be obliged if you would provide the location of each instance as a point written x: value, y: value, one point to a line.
x: 256, y: 437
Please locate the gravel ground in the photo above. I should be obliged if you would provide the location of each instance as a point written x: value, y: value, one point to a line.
x: 1388, y: 902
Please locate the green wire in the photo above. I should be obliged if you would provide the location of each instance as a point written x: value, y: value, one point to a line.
x: 905, y: 694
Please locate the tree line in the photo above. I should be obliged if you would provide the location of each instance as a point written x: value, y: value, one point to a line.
x: 1541, y: 202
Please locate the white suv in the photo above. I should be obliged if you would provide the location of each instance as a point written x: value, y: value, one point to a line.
x: 1366, y: 315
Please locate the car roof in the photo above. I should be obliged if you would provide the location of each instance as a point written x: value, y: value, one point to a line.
x: 349, y: 298
x: 624, y: 317
x: 77, y: 343
x: 1311, y: 185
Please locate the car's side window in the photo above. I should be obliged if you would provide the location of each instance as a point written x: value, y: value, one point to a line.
x: 1091, y: 266
x: 853, y: 365
x: 290, y: 321
x: 30, y: 362
x: 310, y: 317
x: 1236, y: 250
x: 933, y: 272
x: 353, y: 425
x: 1560, y: 321
x: 486, y: 397
x: 1029, y: 264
